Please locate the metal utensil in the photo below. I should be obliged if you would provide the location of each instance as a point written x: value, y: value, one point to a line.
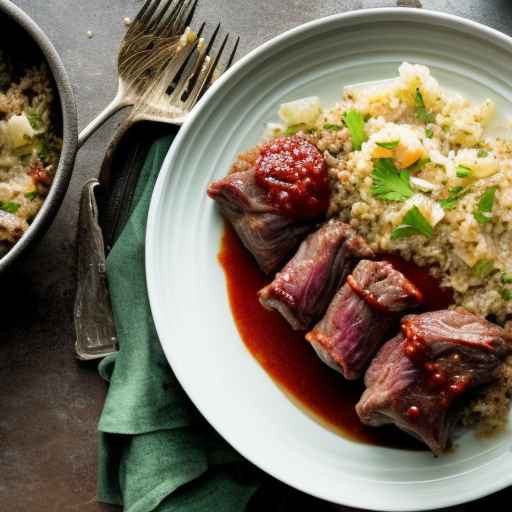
x: 149, y: 42
x: 168, y: 99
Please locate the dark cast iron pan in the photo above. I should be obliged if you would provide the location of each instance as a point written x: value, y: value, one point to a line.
x: 26, y: 43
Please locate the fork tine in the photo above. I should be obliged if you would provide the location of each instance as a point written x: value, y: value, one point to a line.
x: 188, y: 80
x: 148, y: 14
x: 142, y: 11
x: 201, y: 85
x: 161, y: 16
x: 178, y: 19
x: 176, y: 79
x: 187, y: 14
x: 233, y: 53
x: 166, y: 24
x: 191, y: 12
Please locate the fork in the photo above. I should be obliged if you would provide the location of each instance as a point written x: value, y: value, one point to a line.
x: 150, y: 40
x: 188, y: 75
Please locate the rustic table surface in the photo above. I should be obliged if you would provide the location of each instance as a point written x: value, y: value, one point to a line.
x: 49, y: 403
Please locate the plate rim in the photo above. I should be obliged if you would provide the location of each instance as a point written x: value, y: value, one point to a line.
x: 151, y: 245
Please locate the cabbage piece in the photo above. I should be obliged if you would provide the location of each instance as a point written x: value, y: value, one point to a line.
x: 303, y: 111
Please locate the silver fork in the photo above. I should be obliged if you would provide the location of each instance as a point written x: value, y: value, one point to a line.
x: 189, y: 74
x: 148, y: 44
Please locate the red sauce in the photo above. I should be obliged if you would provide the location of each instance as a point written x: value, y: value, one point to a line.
x: 294, y: 175
x: 434, y: 297
x: 289, y: 359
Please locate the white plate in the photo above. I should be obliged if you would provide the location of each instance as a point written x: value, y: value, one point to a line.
x: 186, y: 285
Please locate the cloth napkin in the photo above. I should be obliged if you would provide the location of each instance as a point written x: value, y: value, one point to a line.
x: 156, y: 452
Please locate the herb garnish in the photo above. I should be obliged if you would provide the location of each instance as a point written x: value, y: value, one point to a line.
x: 429, y: 132
x: 413, y: 224
x: 462, y: 171
x: 455, y: 194
x: 389, y: 183
x: 482, y: 153
x: 9, y: 206
x: 332, y: 127
x: 484, y: 207
x: 294, y: 128
x: 34, y: 118
x: 31, y: 195
x: 421, y: 111
x: 483, y: 268
x: 506, y: 294
x: 47, y: 149
x: 388, y: 145
x: 506, y: 278
x: 354, y: 121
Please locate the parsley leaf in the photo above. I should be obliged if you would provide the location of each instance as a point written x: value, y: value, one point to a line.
x: 333, y: 127
x: 294, y: 128
x: 355, y: 124
x: 455, y: 194
x: 31, y: 195
x: 429, y: 132
x: 47, y: 149
x: 390, y: 184
x: 388, y: 145
x: 413, y: 224
x: 483, y: 268
x: 484, y: 208
x: 506, y: 278
x: 482, y: 153
x: 462, y: 172
x: 506, y: 294
x: 9, y: 206
x: 421, y: 112
x: 34, y: 118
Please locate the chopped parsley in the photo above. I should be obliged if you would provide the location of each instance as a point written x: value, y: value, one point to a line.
x: 506, y: 294
x: 506, y: 278
x: 413, y: 223
x: 421, y: 112
x: 462, y: 172
x: 388, y: 145
x: 47, y: 149
x: 34, y: 118
x: 332, y: 127
x: 389, y: 183
x: 482, y: 214
x: 31, y: 195
x: 354, y: 121
x: 294, y: 128
x: 482, y: 153
x: 455, y: 194
x: 429, y: 132
x: 9, y: 206
x: 483, y: 268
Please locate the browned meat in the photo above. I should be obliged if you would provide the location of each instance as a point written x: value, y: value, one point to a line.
x: 303, y: 289
x: 269, y: 237
x: 360, y: 316
x: 420, y: 378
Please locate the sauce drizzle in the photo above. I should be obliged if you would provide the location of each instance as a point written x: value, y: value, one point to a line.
x: 290, y: 361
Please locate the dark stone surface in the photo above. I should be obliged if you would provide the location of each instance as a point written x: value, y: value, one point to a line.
x: 49, y: 404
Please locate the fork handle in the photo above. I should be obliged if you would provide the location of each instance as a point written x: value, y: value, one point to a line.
x: 94, y: 325
x: 119, y: 102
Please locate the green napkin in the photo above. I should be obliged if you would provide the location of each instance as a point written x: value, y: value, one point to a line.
x: 156, y: 452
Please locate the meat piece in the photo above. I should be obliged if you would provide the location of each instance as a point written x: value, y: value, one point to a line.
x: 302, y: 290
x: 360, y: 316
x: 268, y: 236
x: 420, y: 378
